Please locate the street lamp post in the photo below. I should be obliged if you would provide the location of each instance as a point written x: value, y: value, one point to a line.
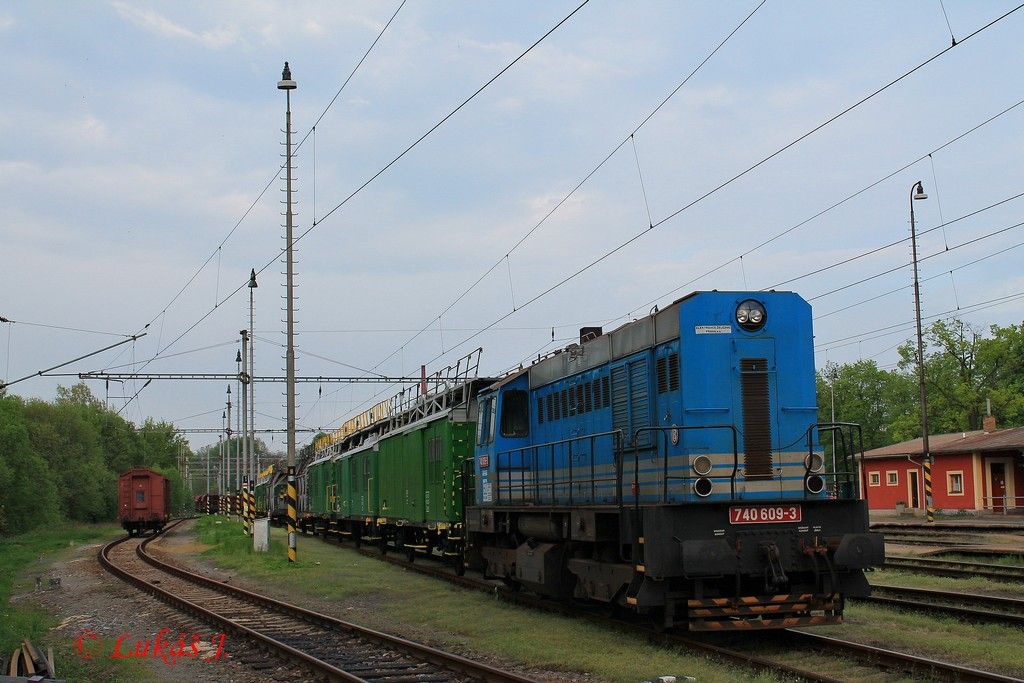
x: 917, y: 193
x: 287, y: 84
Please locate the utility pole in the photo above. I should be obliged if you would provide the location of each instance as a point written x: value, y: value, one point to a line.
x: 227, y: 447
x: 240, y: 433
x: 917, y: 193
x: 243, y: 377
x: 287, y: 84
x: 251, y: 437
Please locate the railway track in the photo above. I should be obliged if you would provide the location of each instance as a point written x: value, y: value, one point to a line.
x: 868, y: 655
x: 955, y: 568
x: 890, y: 659
x: 946, y: 535
x: 331, y: 649
x: 966, y: 606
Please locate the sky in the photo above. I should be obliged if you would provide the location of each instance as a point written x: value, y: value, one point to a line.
x: 138, y: 137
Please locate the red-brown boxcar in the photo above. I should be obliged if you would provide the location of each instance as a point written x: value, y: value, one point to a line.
x: 144, y: 500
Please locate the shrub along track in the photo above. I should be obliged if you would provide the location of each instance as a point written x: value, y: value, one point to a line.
x: 788, y: 640
x: 330, y: 648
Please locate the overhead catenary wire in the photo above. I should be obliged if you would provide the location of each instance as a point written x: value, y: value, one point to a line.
x: 923, y: 258
x: 374, y: 176
x: 586, y: 177
x: 270, y: 182
x: 829, y: 208
x: 900, y: 326
x: 64, y: 328
x: 733, y: 178
x: 926, y: 279
x: 889, y: 245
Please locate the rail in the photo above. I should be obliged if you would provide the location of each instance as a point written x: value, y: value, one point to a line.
x: 219, y: 612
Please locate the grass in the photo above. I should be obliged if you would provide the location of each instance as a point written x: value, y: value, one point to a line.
x: 28, y: 555
x: 388, y: 598
x: 1008, y: 560
x: 974, y: 584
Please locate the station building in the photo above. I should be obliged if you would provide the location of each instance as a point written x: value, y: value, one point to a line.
x: 981, y: 471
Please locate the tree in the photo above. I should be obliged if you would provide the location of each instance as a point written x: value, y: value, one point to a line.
x: 963, y: 369
x: 881, y: 401
x: 28, y: 494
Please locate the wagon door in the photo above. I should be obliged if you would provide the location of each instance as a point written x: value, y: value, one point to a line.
x: 140, y: 495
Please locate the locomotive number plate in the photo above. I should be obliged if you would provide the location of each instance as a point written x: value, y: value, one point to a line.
x: 764, y: 514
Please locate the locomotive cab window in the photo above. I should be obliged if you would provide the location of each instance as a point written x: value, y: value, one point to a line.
x: 485, y: 427
x: 515, y: 413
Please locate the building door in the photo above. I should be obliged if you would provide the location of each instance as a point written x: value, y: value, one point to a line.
x: 998, y: 474
x: 913, y: 489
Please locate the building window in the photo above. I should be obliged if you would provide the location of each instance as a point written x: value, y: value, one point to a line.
x: 874, y: 479
x: 955, y: 483
x: 892, y: 478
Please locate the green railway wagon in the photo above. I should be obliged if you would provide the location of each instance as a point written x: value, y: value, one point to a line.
x: 260, y: 498
x: 421, y: 485
x: 401, y: 465
x: 318, y: 480
x: 363, y: 484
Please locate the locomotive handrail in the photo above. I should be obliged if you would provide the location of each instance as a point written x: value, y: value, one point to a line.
x: 849, y: 474
x: 665, y: 475
x: 532, y: 454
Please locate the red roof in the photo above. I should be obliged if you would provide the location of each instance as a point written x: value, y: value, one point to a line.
x: 959, y: 442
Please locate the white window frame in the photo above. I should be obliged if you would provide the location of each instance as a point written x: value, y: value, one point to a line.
x: 892, y: 477
x: 874, y: 478
x: 949, y: 483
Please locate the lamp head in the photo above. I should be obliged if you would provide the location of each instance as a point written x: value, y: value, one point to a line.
x: 286, y: 82
x: 238, y: 356
x: 252, y: 279
x: 919, y: 191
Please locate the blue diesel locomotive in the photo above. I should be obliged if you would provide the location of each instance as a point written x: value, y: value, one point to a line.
x: 674, y: 467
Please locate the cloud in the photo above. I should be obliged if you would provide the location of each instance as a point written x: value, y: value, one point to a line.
x: 157, y: 23
x: 6, y: 23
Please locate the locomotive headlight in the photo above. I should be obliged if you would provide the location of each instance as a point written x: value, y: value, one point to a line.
x: 702, y: 465
x: 814, y: 462
x: 814, y: 484
x: 703, y: 487
x: 751, y: 315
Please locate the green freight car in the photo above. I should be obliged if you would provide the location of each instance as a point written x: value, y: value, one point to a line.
x: 397, y: 475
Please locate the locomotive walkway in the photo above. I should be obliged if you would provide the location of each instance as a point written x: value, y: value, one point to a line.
x: 331, y: 648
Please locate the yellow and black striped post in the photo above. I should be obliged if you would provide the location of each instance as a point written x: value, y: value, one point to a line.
x: 243, y: 495
x: 928, y: 501
x: 251, y: 497
x: 292, y: 519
